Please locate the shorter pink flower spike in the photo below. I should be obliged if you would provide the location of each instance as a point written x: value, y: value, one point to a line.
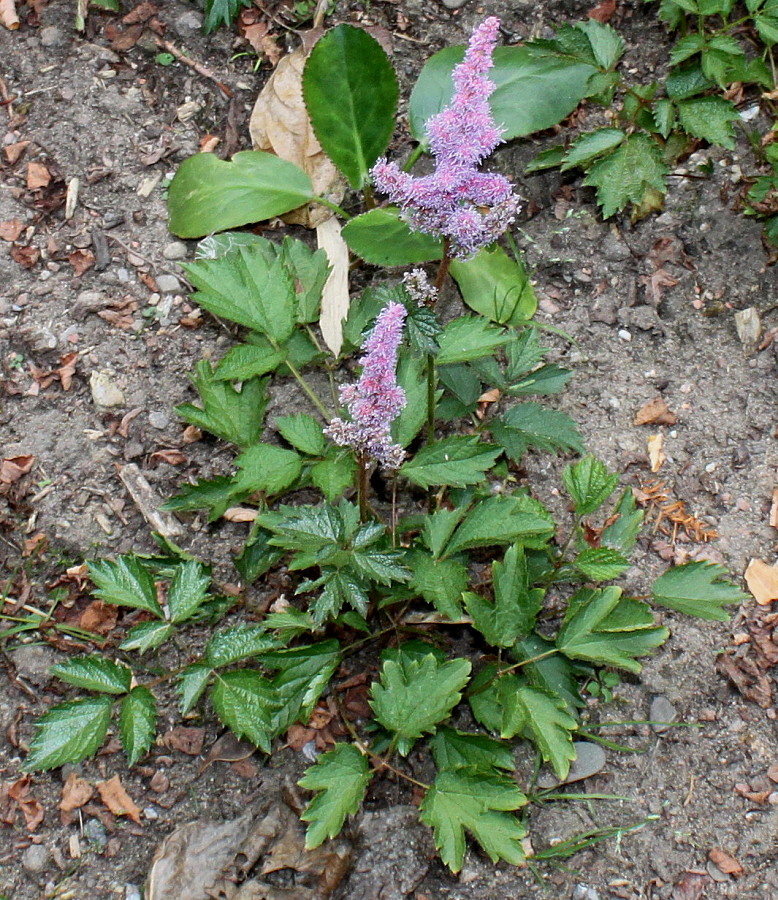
x: 376, y: 399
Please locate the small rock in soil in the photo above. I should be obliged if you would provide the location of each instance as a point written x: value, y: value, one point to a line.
x: 159, y: 419
x: 104, y: 391
x: 662, y: 710
x: 95, y: 833
x: 131, y: 892
x: 168, y: 284
x: 749, y: 327
x: 589, y: 760
x: 175, y: 250
x: 35, y: 859
x: 584, y: 892
x: 453, y: 4
x: 33, y: 663
x: 52, y: 36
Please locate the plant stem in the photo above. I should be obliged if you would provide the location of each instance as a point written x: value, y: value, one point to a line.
x: 415, y: 154
x: 431, y: 391
x: 333, y: 206
x: 508, y: 669
x: 308, y: 392
x: 362, y: 484
x: 367, y: 196
x: 440, y: 276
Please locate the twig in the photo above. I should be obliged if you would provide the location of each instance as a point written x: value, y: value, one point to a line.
x: 193, y: 64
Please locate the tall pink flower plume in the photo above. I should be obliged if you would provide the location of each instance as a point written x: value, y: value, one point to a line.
x: 376, y: 399
x: 468, y: 207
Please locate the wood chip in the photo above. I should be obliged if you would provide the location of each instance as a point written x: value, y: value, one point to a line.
x: 148, y: 502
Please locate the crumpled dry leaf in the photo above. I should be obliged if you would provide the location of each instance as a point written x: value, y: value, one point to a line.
x: 691, y: 886
x: 8, y: 17
x: 114, y: 796
x: 279, y: 124
x: 38, y: 176
x: 725, y: 863
x: 335, y: 297
x: 762, y: 581
x: 75, y: 793
x: 31, y: 809
x: 185, y: 740
x: 655, y: 412
x: 655, y: 455
x: 10, y: 229
x: 227, y: 748
x: 12, y: 468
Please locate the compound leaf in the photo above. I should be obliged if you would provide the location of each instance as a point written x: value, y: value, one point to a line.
x: 95, y: 673
x: 137, y: 723
x: 245, y: 703
x: 626, y: 174
x: 531, y: 425
x: 125, y: 582
x: 68, y: 733
x: 188, y: 590
x: 589, y: 484
x: 697, y: 589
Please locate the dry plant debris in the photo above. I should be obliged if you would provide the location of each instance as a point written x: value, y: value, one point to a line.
x: 666, y: 512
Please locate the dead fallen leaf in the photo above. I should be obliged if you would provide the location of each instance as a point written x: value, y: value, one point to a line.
x: 31, y: 809
x: 762, y: 581
x: 99, y: 618
x: 228, y: 748
x: 185, y: 740
x: 8, y: 17
x: 12, y: 468
x: 25, y: 256
x: 691, y: 886
x: 141, y: 13
x: 34, y: 544
x: 38, y: 176
x: 655, y: 412
x: 11, y: 229
x: 67, y: 369
x: 655, y: 455
x: 75, y: 793
x: 603, y: 11
x: 114, y: 796
x: 171, y: 457
x: 191, y: 434
x: 279, y: 123
x: 81, y: 261
x: 725, y: 863
x: 745, y: 674
x: 13, y: 152
x: 335, y: 296
x: 209, y: 142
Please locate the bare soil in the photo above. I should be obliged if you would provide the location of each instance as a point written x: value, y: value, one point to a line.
x: 650, y: 307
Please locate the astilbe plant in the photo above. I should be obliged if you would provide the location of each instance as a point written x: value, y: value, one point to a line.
x: 458, y: 544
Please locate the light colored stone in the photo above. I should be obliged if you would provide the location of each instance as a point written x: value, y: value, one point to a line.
x: 589, y: 760
x: 35, y: 859
x: 105, y: 392
x: 749, y: 327
x: 175, y: 250
x: 52, y: 36
x: 158, y: 418
x: 168, y: 284
x: 662, y: 710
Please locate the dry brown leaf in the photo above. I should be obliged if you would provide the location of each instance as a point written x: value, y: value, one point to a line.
x: 99, y: 618
x: 691, y: 886
x: 762, y: 581
x: 8, y: 17
x: 31, y: 809
x: 725, y: 863
x: 171, y: 457
x: 75, y: 793
x: 655, y: 412
x: 25, y: 256
x: 240, y: 514
x: 774, y: 509
x: 67, y: 369
x: 655, y: 454
x: 14, y: 151
x: 38, y: 176
x: 13, y: 467
x: 81, y: 261
x: 335, y: 297
x: 11, y: 229
x: 185, y: 740
x: 114, y: 796
x: 603, y: 11
x: 229, y: 749
x: 279, y: 124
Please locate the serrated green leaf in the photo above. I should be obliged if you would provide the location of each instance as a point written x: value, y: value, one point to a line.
x: 188, y: 591
x: 341, y: 775
x: 454, y: 749
x: 687, y: 47
x: 208, y: 194
x: 245, y: 703
x: 220, y: 12
x: 709, y: 118
x: 664, y: 117
x: 686, y: 81
x: 454, y: 461
x: 502, y: 520
x: 589, y: 146
x: 515, y: 607
x: 248, y: 361
x: 606, y: 43
x: 257, y: 556
x: 544, y: 668
x: 413, y: 696
x: 303, y: 432
x: 411, y: 377
x: 190, y: 685
x: 213, y: 494
x: 304, y: 672
x: 469, y: 799
x: 422, y: 328
x: 350, y: 93
x: 767, y: 28
x: 234, y: 416
x: 137, y: 723
x: 147, y: 636
x: 601, y: 563
x: 583, y: 636
x: 697, y: 589
x: 289, y: 624
x: 125, y: 582
x: 95, y: 673
x: 306, y: 528
x: 68, y: 733
x: 468, y: 337
x: 439, y: 526
x: 626, y: 174
x: 496, y: 286
x: 589, y: 484
x: 550, y: 158
x: 461, y: 381
x: 267, y: 468
x: 236, y: 643
x: 549, y: 379
x: 623, y: 531
x: 440, y: 582
x: 530, y: 424
x: 334, y: 474
x: 382, y: 238
x: 310, y: 270
x: 339, y: 588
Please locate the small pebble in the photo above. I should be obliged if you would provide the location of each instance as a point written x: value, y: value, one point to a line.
x: 175, y: 250
x: 159, y: 419
x: 52, y: 36
x: 131, y: 892
x: 624, y: 334
x: 95, y: 833
x: 662, y: 710
x: 584, y: 892
x: 168, y: 284
x: 105, y: 392
x: 35, y: 859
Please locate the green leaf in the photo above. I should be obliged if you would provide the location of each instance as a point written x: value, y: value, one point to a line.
x: 267, y: 468
x: 686, y: 81
x: 340, y: 587
x: 550, y: 158
x: 531, y: 425
x: 208, y: 194
x: 440, y: 582
x: 496, y: 286
x: 533, y: 92
x: 146, y: 636
x: 236, y: 643
x: 334, y: 474
x: 245, y: 703
x: 454, y: 461
x: 247, y: 361
x: 303, y: 432
x: 68, y: 733
x: 188, y: 590
x: 310, y: 271
x: 341, y: 775
x: 234, y: 416
x: 552, y: 672
x: 626, y: 174
x: 220, y: 12
x: 767, y: 28
x: 289, y: 624
x: 502, y: 520
x: 95, y: 673
x: 190, y: 685
x: 439, y: 526
x: 550, y: 379
x: 589, y: 484
x: 622, y: 533
x: 125, y: 582
x: 468, y: 337
x: 585, y: 634
x: 304, y: 672
x: 601, y: 563
x: 709, y: 118
x: 247, y: 288
x: 697, y: 589
x: 664, y: 117
x: 515, y: 607
x: 686, y: 47
x: 137, y: 723
x: 586, y: 148
x: 454, y: 749
x: 413, y: 696
x: 469, y: 799
x: 382, y: 238
x: 350, y: 93
x: 606, y: 43
x: 257, y: 556
x: 411, y: 376
x: 422, y: 328
x: 213, y: 494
